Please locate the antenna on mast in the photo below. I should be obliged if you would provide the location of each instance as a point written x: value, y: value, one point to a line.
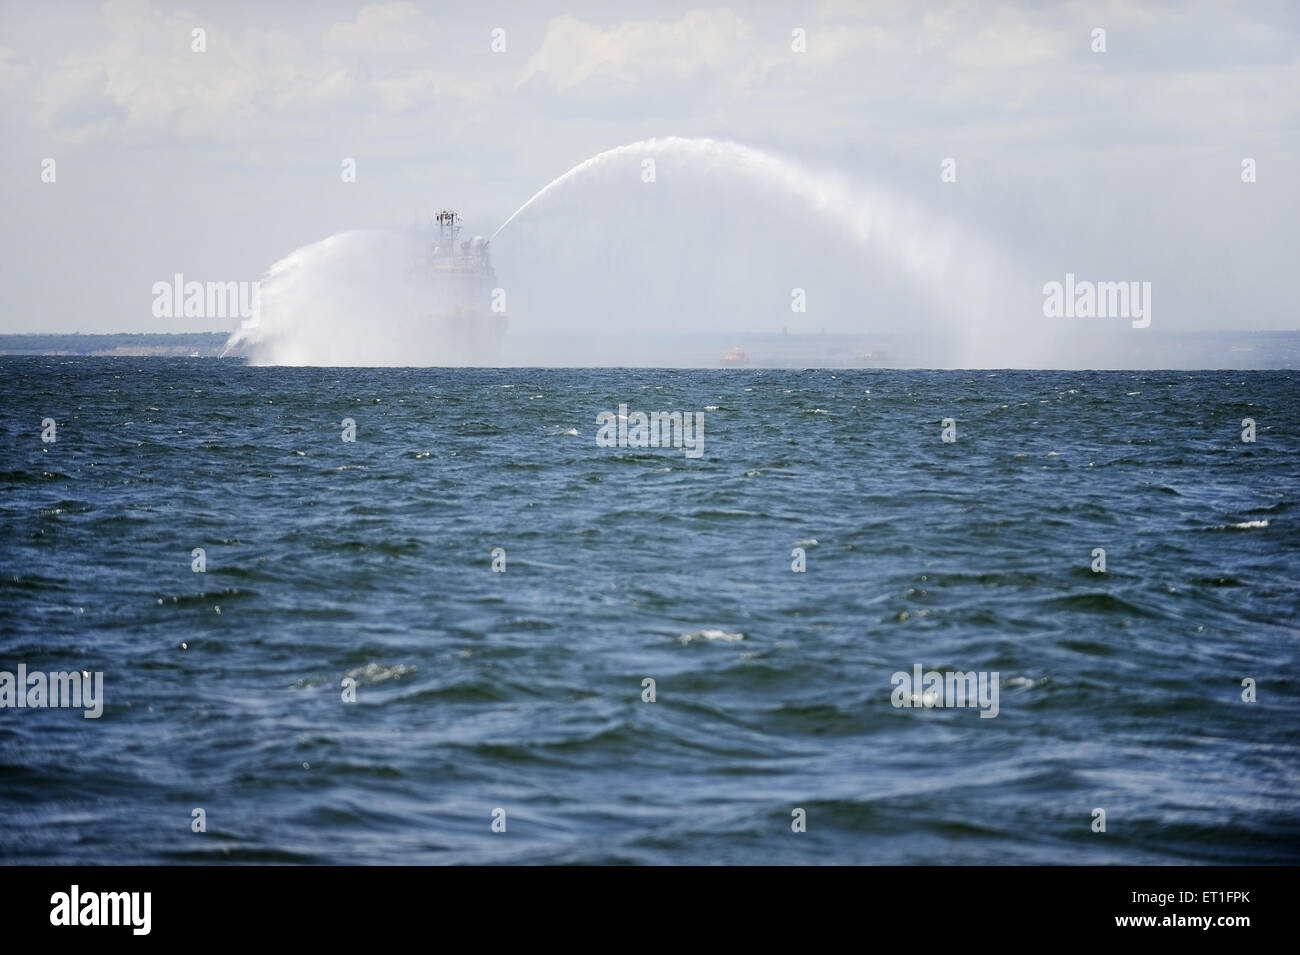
x: 448, y: 229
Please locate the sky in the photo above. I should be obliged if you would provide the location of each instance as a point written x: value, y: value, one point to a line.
x: 1116, y: 165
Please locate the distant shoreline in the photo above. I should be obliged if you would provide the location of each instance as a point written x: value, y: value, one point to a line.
x: 125, y: 344
x: 1154, y: 350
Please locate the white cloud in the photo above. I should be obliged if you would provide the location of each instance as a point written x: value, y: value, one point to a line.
x: 575, y: 53
x: 381, y: 28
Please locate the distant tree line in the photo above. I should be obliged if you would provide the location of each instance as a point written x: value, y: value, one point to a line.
x: 76, y: 342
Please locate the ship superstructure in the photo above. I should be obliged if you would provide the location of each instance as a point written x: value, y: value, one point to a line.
x: 449, y: 255
x: 464, y: 299
x: 400, y: 297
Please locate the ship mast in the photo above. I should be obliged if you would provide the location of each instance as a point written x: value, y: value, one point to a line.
x: 448, y: 229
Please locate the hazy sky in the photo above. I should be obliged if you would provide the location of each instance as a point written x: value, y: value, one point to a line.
x: 1122, y: 165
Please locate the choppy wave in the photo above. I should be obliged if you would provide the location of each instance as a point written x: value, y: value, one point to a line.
x: 523, y: 686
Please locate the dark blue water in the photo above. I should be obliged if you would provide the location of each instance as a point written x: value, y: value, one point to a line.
x: 522, y: 690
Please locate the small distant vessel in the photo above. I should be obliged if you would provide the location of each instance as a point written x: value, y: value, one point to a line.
x: 735, y: 357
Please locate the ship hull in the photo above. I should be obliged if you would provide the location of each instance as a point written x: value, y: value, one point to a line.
x: 469, y: 338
